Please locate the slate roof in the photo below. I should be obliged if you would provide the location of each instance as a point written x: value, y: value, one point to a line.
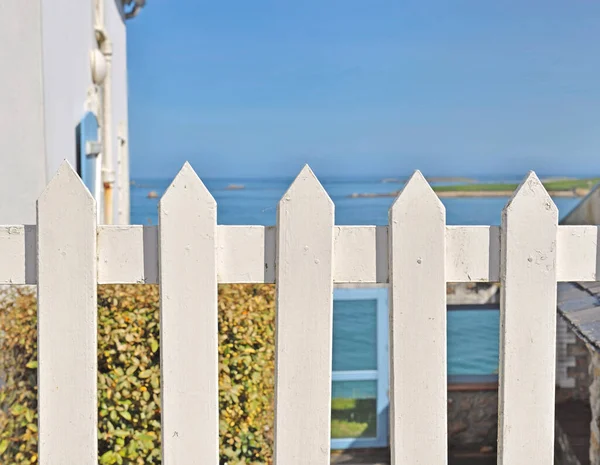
x: 579, y: 305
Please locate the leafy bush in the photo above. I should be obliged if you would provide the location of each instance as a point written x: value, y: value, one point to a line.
x: 129, y: 375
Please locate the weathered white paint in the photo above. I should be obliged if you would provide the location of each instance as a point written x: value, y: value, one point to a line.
x: 67, y: 322
x: 188, y: 322
x: 246, y: 254
x: 418, y: 386
x: 127, y: 254
x: 305, y: 254
x: 23, y: 170
x: 360, y: 254
x: 305, y: 218
x: 578, y: 258
x: 528, y: 326
x: 45, y: 78
x: 472, y: 253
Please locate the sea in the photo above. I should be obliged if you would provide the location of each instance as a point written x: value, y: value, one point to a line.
x: 472, y: 334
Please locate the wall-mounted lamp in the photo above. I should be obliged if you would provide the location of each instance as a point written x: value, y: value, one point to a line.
x: 133, y: 7
x: 98, y: 65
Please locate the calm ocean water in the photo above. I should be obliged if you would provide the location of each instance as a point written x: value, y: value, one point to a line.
x: 257, y: 202
x: 472, y: 335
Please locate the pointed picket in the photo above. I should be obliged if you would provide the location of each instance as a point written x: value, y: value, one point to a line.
x: 418, y: 390
x: 528, y: 326
x: 305, y: 219
x: 67, y: 318
x: 188, y: 322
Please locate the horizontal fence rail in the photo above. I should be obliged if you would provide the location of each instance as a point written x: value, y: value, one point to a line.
x: 67, y: 255
x: 246, y: 254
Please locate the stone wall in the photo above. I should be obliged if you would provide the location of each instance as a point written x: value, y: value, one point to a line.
x: 473, y: 419
x: 563, y: 452
x: 473, y: 415
x: 595, y: 406
x: 579, y: 373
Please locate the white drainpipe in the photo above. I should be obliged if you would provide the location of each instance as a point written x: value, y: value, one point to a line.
x: 108, y: 172
x: 107, y: 179
x: 123, y: 214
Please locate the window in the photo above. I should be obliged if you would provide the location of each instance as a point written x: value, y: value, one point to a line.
x: 360, y: 381
x: 359, y: 401
x: 473, y: 341
x: 87, y: 146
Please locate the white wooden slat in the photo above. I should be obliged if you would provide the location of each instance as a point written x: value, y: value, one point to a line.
x: 472, y: 254
x: 246, y: 254
x: 305, y: 217
x: 418, y: 387
x: 578, y: 256
x: 528, y: 327
x: 67, y: 321
x: 188, y: 322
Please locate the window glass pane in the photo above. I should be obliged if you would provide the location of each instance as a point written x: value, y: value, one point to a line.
x: 473, y: 339
x: 354, y: 409
x: 87, y: 131
x: 354, y: 335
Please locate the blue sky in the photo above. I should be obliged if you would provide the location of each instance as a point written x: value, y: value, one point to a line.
x: 246, y: 89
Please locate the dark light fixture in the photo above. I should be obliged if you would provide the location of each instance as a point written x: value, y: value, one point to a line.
x: 132, y: 8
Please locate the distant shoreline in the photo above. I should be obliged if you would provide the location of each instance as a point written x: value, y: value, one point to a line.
x: 470, y: 193
x: 437, y: 179
x: 556, y: 187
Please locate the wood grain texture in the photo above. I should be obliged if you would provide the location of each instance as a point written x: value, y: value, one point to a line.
x: 305, y: 217
x: 67, y: 320
x: 472, y: 254
x: 528, y: 327
x: 188, y: 323
x: 418, y: 385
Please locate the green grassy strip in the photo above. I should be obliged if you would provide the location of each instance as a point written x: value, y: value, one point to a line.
x: 559, y: 185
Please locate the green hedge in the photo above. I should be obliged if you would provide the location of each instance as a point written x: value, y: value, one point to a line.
x: 129, y: 375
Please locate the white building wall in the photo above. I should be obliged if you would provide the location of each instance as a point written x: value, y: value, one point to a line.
x: 67, y: 39
x: 22, y: 164
x: 45, y: 78
x: 587, y: 211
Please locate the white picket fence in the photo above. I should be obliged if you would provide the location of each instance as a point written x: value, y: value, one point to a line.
x: 66, y: 254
